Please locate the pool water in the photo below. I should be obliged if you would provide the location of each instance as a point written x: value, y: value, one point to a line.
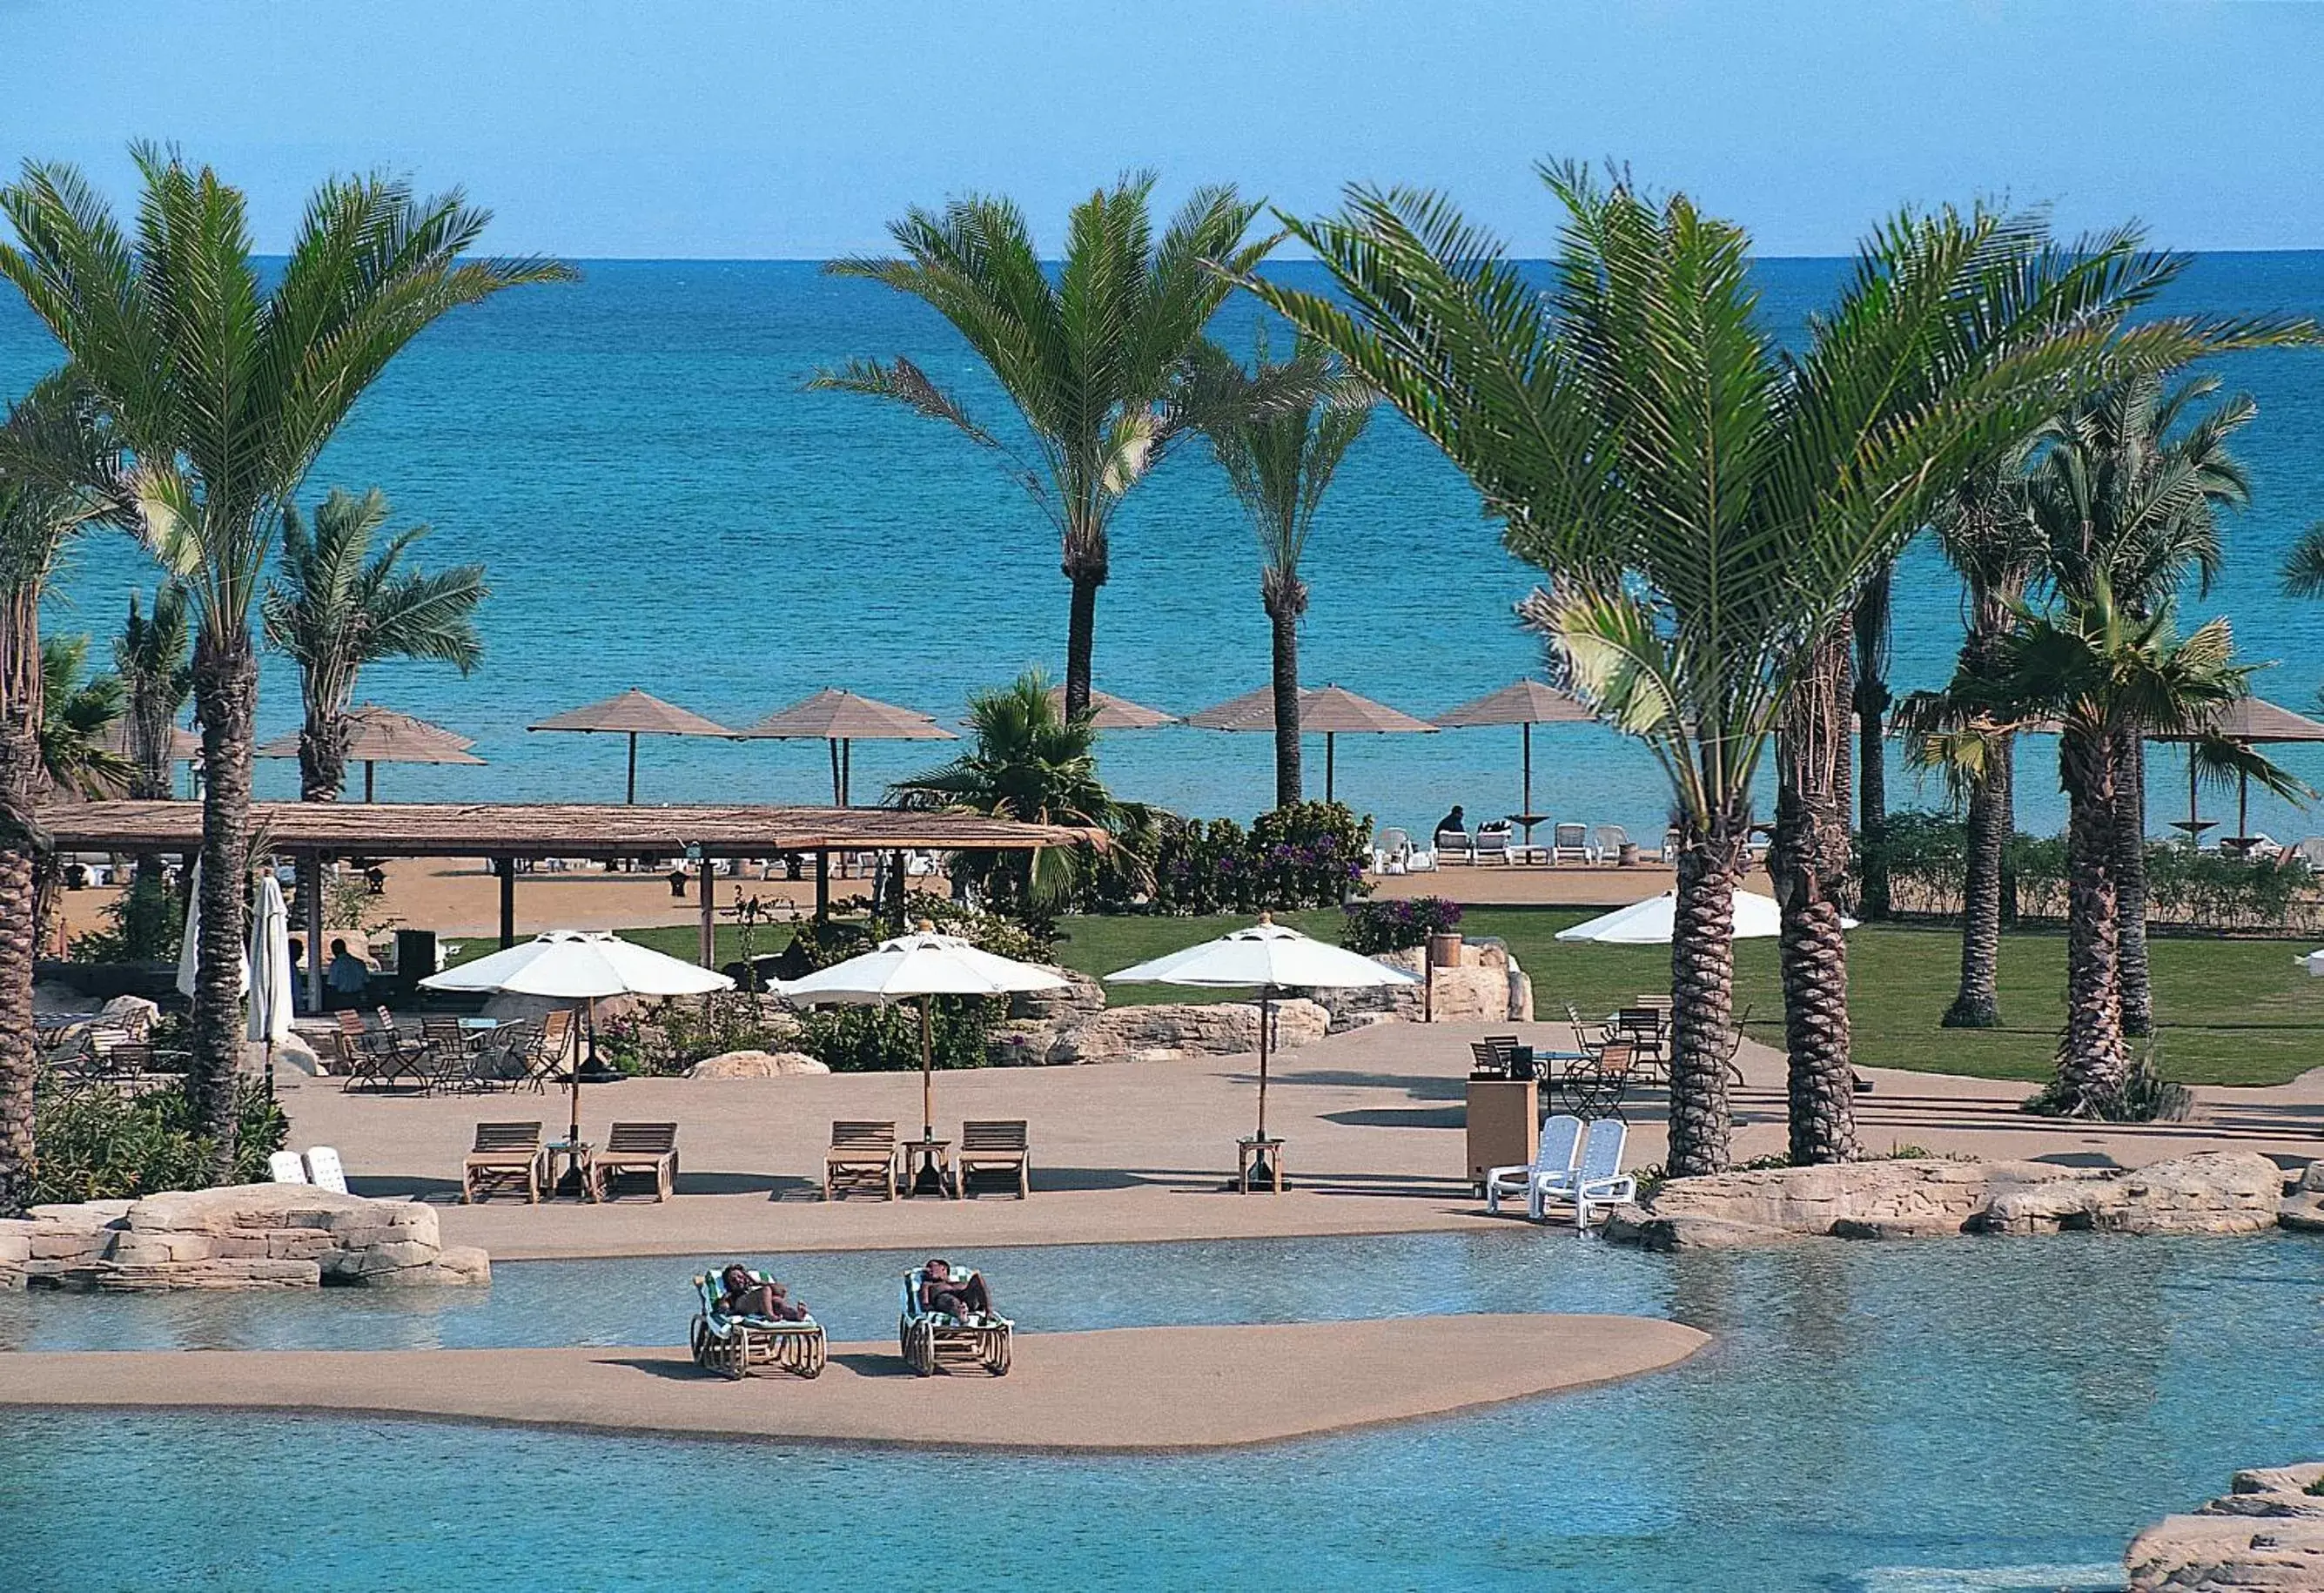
x: 1896, y: 1419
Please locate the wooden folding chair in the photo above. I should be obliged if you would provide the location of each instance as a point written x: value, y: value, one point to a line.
x: 996, y: 1146
x: 861, y: 1155
x: 503, y: 1153
x: 650, y: 1148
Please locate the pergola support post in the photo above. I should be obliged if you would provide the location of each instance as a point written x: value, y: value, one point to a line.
x: 709, y: 911
x: 505, y: 868
x: 822, y: 886
x: 313, y: 916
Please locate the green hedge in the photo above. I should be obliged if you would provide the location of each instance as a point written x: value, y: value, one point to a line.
x: 99, y: 1143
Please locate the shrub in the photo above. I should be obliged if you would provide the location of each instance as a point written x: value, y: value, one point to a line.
x: 145, y: 924
x: 1375, y: 927
x: 1309, y: 854
x: 100, y: 1143
x: 2145, y: 1097
x: 887, y: 1039
x: 668, y: 1038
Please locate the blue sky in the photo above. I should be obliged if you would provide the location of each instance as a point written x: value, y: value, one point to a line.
x: 753, y: 128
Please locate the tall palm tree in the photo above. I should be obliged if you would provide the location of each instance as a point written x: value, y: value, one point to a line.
x: 77, y: 710
x: 1030, y: 762
x: 2099, y: 670
x: 150, y: 656
x: 56, y: 466
x: 2129, y: 486
x: 1707, y: 508
x: 223, y: 390
x: 1280, y: 458
x: 1870, y: 699
x: 1097, y: 361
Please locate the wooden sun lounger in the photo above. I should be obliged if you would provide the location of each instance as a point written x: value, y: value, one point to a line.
x: 504, y: 1153
x: 995, y: 1146
x: 650, y: 1148
x: 861, y: 1153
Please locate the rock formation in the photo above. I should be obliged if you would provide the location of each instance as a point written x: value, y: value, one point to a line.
x: 2267, y: 1532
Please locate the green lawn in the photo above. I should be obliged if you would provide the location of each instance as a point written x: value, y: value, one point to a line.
x: 2233, y: 1011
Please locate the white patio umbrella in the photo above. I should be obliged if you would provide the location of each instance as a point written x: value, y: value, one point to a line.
x: 580, y: 966
x: 189, y: 945
x: 1269, y: 958
x: 269, y: 963
x: 923, y: 964
x: 1651, y: 922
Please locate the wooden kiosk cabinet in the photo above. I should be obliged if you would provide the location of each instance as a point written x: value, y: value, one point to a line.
x: 1504, y: 1125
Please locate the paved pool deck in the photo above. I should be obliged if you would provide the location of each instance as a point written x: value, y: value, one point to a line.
x: 1141, y: 1150
x: 1121, y: 1389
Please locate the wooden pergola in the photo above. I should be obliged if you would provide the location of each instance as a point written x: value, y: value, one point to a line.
x: 506, y: 833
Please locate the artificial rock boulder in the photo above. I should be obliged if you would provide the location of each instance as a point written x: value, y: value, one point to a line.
x: 755, y: 1064
x: 1486, y: 985
x: 2266, y: 1533
x: 245, y: 1236
x: 1170, y: 1030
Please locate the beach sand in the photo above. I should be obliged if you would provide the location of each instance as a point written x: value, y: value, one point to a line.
x: 1126, y: 1388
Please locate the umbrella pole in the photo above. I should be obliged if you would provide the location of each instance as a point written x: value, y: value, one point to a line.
x: 1265, y: 1005
x: 838, y: 798
x: 2243, y: 804
x: 370, y: 769
x: 847, y: 771
x: 631, y: 799
x: 1329, y: 749
x: 2192, y: 817
x: 589, y: 1027
x: 927, y: 1071
x: 1527, y: 735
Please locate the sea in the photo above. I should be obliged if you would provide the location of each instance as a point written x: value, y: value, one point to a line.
x: 659, y: 501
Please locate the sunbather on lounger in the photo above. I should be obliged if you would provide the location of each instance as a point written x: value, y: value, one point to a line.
x: 746, y: 1298
x: 954, y: 1297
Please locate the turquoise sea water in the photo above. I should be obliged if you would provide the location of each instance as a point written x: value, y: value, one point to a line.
x: 1943, y: 1415
x: 658, y: 504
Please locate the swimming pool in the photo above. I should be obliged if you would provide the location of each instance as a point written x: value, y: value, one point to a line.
x: 1950, y: 1414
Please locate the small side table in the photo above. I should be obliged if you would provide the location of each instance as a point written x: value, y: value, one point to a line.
x: 575, y: 1155
x: 1268, y: 1153
x: 924, y: 1157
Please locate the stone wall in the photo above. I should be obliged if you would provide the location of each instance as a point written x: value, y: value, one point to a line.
x: 2213, y: 1192
x: 248, y: 1236
x: 1486, y: 985
x: 2267, y: 1533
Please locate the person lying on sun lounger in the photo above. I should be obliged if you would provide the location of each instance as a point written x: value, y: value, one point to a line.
x: 747, y: 1298
x: 941, y: 1291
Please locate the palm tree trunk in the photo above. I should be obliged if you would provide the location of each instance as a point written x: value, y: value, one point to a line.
x: 21, y: 843
x: 1810, y: 869
x: 2130, y: 881
x: 2004, y: 774
x: 1702, y: 998
x: 226, y: 692
x: 1285, y: 619
x: 322, y: 775
x: 1872, y: 794
x: 2092, y: 1062
x: 1977, y: 1005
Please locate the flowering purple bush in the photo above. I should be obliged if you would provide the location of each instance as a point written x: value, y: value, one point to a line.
x: 1307, y: 855
x: 1376, y: 927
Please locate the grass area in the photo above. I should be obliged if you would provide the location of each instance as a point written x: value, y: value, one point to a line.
x: 2233, y: 1011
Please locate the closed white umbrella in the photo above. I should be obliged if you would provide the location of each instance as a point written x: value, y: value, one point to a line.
x: 269, y: 962
x: 189, y: 945
x: 580, y: 966
x: 923, y: 964
x: 1652, y: 922
x: 1267, y: 957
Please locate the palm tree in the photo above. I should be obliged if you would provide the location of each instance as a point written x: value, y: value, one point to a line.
x: 2100, y: 670
x: 1280, y: 458
x: 2129, y: 485
x: 1870, y: 699
x: 149, y: 657
x: 56, y: 464
x: 1032, y: 762
x: 224, y: 390
x: 1707, y: 508
x: 1097, y: 362
x: 77, y: 710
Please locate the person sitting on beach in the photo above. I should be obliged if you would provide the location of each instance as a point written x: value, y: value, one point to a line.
x: 1455, y: 823
x: 943, y: 1293
x: 747, y: 1297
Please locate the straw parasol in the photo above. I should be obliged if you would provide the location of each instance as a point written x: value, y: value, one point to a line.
x: 632, y: 713
x: 1524, y: 704
x: 2249, y: 721
x: 381, y: 736
x: 841, y: 718
x: 1108, y: 712
x: 1330, y: 711
x: 1269, y: 958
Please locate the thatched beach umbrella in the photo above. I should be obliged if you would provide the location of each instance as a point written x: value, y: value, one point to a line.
x: 1329, y: 711
x: 1524, y: 704
x: 1108, y: 712
x: 632, y: 713
x: 381, y: 736
x: 841, y: 718
x: 2248, y: 721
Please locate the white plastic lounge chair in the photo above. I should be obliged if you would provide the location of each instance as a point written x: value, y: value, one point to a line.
x: 285, y: 1167
x: 1555, y: 1159
x: 2310, y: 851
x: 1493, y: 844
x: 1608, y: 841
x: 324, y: 1170
x: 1453, y: 846
x: 1671, y: 844
x: 1570, y: 844
x: 1392, y: 851
x: 1599, y: 1177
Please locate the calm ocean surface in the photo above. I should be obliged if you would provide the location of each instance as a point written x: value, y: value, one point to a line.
x: 659, y: 504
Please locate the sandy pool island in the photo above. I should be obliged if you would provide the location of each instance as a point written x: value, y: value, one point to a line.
x: 1119, y: 1389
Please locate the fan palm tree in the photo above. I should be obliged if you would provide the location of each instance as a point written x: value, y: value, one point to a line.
x: 223, y: 390
x: 149, y: 657
x: 56, y: 466
x: 1032, y: 762
x: 2129, y: 485
x: 1097, y: 362
x: 1708, y: 510
x: 2099, y: 670
x: 1280, y: 458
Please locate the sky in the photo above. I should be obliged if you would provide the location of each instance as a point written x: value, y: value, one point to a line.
x: 796, y: 128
